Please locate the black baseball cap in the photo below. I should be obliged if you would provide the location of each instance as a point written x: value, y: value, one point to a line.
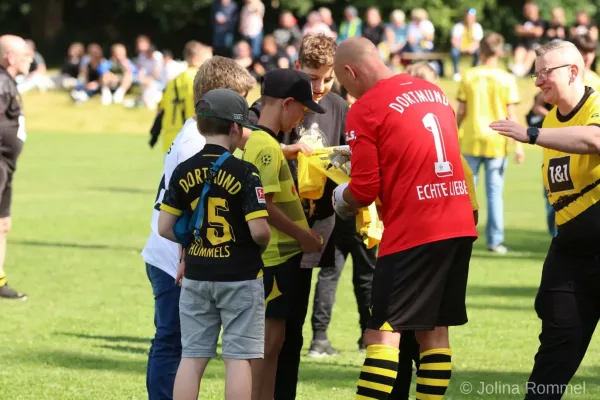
x: 284, y: 83
x: 224, y: 104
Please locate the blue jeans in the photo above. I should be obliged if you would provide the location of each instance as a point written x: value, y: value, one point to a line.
x: 165, y: 352
x: 255, y: 44
x: 223, y: 39
x: 455, y: 53
x: 550, y: 216
x: 494, y: 186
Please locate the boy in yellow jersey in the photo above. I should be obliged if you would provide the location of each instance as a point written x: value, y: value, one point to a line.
x: 409, y: 348
x: 286, y: 95
x: 177, y: 103
x: 487, y: 93
x: 567, y: 300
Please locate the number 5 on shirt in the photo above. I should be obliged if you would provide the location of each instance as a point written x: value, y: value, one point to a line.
x: 442, y: 166
x: 215, y: 220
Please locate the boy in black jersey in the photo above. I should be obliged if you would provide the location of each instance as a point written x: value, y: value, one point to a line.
x: 222, y: 283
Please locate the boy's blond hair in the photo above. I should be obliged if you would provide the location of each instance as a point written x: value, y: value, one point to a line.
x: 422, y: 70
x: 316, y: 51
x: 220, y: 72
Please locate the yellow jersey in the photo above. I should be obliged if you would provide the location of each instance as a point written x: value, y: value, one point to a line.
x: 177, y: 103
x: 470, y: 179
x: 487, y: 92
x: 572, y: 181
x: 264, y: 151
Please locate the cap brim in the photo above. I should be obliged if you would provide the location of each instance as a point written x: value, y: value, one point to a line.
x: 314, y: 107
x: 246, y: 125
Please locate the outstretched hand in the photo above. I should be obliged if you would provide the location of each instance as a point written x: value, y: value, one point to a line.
x: 511, y: 129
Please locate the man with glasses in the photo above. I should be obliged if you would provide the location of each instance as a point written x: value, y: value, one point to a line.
x: 15, y: 59
x: 568, y: 299
x: 488, y: 93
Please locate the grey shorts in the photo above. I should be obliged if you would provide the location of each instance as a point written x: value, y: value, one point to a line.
x: 237, y: 306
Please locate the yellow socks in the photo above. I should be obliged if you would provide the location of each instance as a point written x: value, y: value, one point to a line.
x: 434, y: 374
x: 378, y: 373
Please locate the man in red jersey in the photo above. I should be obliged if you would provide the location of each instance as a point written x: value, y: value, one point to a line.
x: 404, y: 142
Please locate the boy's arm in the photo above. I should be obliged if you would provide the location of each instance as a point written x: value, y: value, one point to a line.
x: 310, y: 241
x: 254, y: 206
x: 166, y: 222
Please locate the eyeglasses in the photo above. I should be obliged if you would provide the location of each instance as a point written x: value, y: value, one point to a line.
x: 543, y: 74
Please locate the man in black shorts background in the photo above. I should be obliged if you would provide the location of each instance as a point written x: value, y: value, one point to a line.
x: 15, y: 59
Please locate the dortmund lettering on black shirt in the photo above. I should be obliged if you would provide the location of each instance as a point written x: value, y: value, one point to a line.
x: 225, y: 250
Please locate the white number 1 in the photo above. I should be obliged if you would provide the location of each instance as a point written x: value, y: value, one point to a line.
x: 442, y: 166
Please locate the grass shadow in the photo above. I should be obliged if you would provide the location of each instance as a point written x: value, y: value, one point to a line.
x: 86, y: 246
x: 501, y: 307
x: 80, y: 361
x: 130, y: 339
x: 522, y: 243
x: 502, y: 291
x: 124, y: 349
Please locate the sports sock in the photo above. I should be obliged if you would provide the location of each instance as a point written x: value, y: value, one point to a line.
x: 2, y: 280
x: 378, y: 373
x: 433, y: 376
x: 320, y: 335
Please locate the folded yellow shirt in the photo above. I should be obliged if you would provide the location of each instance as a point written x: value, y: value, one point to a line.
x: 312, y: 177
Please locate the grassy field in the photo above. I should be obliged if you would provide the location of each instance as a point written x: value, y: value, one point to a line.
x: 83, y: 197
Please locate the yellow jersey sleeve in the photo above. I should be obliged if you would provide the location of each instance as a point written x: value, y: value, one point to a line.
x: 470, y: 183
x: 594, y: 114
x: 268, y: 160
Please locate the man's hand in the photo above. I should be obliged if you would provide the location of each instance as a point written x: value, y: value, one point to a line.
x: 312, y: 242
x: 511, y: 129
x: 340, y: 206
x: 291, y: 151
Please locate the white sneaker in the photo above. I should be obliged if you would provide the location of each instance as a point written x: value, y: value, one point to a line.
x: 106, y: 97
x: 457, y: 77
x: 79, y: 96
x: 118, y: 96
x: 498, y: 249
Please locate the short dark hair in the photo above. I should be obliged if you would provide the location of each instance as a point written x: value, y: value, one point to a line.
x: 491, y: 44
x: 585, y: 43
x: 214, y: 126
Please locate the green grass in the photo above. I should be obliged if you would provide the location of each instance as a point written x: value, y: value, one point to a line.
x: 81, y: 211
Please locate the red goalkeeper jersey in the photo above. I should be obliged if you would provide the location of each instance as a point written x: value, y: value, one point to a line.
x: 405, y: 151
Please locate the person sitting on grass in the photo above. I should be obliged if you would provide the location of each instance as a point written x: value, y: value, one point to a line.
x: 221, y: 285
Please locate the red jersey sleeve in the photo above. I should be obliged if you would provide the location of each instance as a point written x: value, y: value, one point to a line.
x: 361, y: 128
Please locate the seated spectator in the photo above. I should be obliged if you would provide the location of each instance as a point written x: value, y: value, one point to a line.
x: 421, y: 32
x: 288, y: 35
x: 171, y: 67
x: 271, y: 58
x: 149, y: 65
x: 556, y: 28
x: 465, y: 38
x: 530, y: 32
x: 69, y: 73
x: 395, y: 34
x: 328, y: 20
x: 374, y: 30
x: 242, y: 54
x: 351, y: 26
x: 117, y: 75
x: 587, y: 47
x: 37, y: 77
x: 92, y: 64
x: 315, y: 25
x: 251, y: 24
x: 584, y: 26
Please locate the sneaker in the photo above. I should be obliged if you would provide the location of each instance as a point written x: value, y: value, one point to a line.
x: 6, y: 292
x: 498, y: 249
x: 107, y: 97
x: 321, y: 349
x: 457, y: 77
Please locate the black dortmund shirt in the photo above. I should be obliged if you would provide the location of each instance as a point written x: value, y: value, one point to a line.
x: 225, y: 250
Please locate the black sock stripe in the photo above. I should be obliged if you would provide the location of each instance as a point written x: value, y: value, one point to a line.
x: 372, y: 393
x: 383, y: 380
x: 436, y: 358
x: 426, y: 389
x: 434, y: 373
x: 374, y: 362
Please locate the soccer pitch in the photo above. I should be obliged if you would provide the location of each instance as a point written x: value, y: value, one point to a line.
x: 83, y: 196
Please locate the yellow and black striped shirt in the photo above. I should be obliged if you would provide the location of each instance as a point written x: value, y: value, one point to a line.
x: 572, y: 181
x: 264, y: 151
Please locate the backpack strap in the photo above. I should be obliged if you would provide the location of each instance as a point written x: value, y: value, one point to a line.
x: 197, y: 224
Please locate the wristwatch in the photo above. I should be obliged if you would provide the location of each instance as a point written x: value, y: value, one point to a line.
x: 533, y: 134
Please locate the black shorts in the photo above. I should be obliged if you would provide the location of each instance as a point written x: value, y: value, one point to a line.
x: 279, y: 283
x: 422, y: 287
x: 10, y: 149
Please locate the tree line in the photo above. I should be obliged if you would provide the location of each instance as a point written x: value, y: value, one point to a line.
x: 53, y: 24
